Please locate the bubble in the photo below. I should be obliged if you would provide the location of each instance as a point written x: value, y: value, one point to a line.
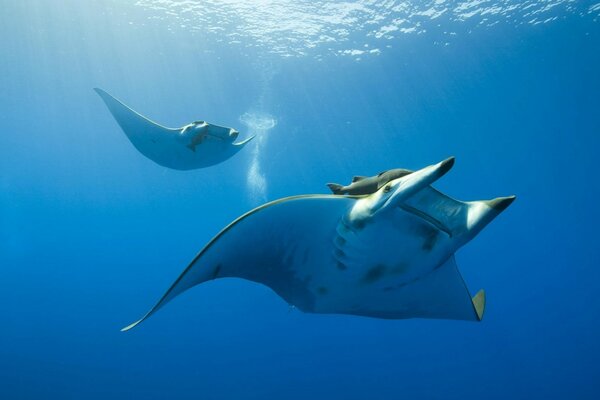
x: 258, y: 123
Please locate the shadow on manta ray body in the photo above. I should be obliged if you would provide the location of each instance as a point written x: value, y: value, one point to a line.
x: 388, y: 254
x: 196, y: 145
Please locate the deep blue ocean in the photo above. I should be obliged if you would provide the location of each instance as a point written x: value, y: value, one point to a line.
x: 92, y: 232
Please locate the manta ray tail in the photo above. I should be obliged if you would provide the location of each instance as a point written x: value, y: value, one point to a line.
x: 336, y: 188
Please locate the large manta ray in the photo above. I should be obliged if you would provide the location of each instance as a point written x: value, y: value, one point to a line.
x: 192, y: 146
x: 389, y: 254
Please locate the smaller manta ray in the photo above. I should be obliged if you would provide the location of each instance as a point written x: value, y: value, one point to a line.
x: 389, y: 254
x: 196, y: 145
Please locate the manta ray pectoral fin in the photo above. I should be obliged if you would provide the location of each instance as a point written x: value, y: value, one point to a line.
x: 192, y: 147
x: 358, y: 178
x: 442, y: 294
x: 182, y: 283
x: 252, y: 241
x: 479, y: 303
x: 133, y: 123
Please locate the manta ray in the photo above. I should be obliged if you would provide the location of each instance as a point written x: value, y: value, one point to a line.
x: 196, y: 145
x: 388, y: 254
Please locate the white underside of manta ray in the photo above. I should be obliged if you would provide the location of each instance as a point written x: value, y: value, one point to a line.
x: 196, y: 145
x: 389, y: 254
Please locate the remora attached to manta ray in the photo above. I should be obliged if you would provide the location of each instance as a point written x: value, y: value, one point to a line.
x: 376, y: 255
x: 196, y: 145
x: 368, y: 184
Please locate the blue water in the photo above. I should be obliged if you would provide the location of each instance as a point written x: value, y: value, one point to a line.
x: 92, y: 232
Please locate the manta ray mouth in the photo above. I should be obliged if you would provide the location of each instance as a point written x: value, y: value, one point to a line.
x: 218, y: 137
x: 426, y: 217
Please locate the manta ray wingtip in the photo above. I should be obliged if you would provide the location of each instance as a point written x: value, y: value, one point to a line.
x: 479, y: 304
x: 133, y: 325
x: 103, y: 94
x: 130, y: 326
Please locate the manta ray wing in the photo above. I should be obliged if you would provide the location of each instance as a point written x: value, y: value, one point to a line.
x: 279, y: 244
x: 441, y: 293
x: 148, y: 137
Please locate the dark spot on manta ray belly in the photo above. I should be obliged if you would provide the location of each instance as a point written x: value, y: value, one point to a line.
x: 430, y: 240
x: 374, y: 274
x: 354, y: 226
x: 341, y: 266
x: 305, y: 256
x: 339, y: 253
x: 360, y: 224
x: 400, y: 268
x: 322, y: 290
x: 216, y: 271
x: 345, y: 228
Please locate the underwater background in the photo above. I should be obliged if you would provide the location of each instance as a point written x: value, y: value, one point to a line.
x: 92, y: 232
